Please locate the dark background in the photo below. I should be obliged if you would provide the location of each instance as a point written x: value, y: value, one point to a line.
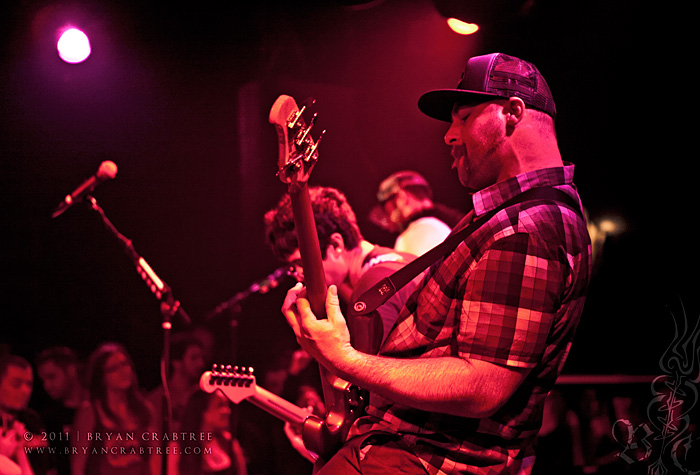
x: 178, y: 95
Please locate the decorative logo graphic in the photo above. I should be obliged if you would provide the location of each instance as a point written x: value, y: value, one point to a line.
x: 667, y: 442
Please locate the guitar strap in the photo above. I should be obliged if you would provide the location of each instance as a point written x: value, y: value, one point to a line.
x: 385, y: 288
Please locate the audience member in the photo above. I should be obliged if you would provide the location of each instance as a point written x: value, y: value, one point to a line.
x: 207, y: 341
x: 58, y: 369
x: 186, y: 366
x: 111, y: 432
x: 215, y: 448
x: 599, y: 447
x: 559, y: 448
x: 21, y: 427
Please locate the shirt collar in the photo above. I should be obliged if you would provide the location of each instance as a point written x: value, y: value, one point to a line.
x: 495, y: 195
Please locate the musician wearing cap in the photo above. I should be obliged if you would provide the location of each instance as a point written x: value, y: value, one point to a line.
x: 460, y: 383
x: 406, y: 207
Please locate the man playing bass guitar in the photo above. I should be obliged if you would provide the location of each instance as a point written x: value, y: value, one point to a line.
x: 460, y: 382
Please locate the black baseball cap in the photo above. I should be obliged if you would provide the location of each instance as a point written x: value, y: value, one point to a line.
x: 489, y: 77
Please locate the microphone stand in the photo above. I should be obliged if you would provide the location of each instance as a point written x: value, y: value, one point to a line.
x: 169, y: 307
x: 233, y: 306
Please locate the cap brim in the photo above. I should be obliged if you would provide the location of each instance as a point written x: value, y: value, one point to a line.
x: 438, y: 104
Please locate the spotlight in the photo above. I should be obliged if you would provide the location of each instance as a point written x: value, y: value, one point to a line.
x: 611, y: 225
x: 461, y: 27
x: 73, y: 46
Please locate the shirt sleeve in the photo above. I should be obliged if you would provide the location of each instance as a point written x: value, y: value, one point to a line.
x: 510, y: 299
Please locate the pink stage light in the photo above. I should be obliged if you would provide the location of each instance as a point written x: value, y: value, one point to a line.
x: 461, y: 27
x: 73, y: 46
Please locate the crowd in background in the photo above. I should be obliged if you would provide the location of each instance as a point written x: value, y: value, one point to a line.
x: 98, y: 420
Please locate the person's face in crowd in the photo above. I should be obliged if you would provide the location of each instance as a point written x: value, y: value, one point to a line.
x: 396, y: 210
x: 118, y: 373
x: 217, y: 414
x: 192, y: 363
x: 16, y: 388
x: 56, y: 380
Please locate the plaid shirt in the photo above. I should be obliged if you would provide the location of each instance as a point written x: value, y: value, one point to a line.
x: 510, y: 294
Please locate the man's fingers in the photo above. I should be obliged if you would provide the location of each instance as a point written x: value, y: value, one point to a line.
x: 292, y: 321
x: 289, y: 308
x: 304, y: 310
x: 333, y: 305
x: 291, y: 297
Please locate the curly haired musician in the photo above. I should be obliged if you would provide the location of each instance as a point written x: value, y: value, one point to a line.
x: 460, y: 382
x: 350, y: 262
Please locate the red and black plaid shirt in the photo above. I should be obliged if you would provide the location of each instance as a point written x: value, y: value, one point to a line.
x: 510, y: 294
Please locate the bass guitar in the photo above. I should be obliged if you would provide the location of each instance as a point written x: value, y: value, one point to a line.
x: 297, y: 155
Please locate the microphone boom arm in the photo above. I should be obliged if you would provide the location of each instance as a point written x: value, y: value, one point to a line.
x: 262, y: 287
x: 168, y: 308
x: 162, y: 291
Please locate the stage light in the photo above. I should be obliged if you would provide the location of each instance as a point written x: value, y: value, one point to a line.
x: 73, y: 46
x: 611, y: 225
x: 461, y: 27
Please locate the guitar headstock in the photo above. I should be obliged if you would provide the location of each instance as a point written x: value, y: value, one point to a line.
x: 237, y: 383
x: 297, y: 151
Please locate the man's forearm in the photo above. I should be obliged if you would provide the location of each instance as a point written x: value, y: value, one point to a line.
x: 447, y: 384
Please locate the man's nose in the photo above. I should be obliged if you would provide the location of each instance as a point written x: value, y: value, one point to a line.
x: 452, y: 135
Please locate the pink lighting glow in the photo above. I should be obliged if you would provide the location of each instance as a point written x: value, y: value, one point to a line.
x: 461, y: 27
x: 73, y: 46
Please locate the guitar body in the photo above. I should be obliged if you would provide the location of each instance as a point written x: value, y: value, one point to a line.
x: 297, y: 157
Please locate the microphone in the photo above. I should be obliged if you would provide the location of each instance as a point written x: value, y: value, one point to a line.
x: 261, y: 287
x: 271, y: 281
x: 107, y: 170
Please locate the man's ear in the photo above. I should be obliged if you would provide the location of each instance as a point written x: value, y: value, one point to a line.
x: 514, y: 111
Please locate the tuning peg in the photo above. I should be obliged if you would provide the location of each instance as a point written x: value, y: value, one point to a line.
x: 308, y: 102
x: 312, y: 151
x: 304, y: 132
x: 294, y: 119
